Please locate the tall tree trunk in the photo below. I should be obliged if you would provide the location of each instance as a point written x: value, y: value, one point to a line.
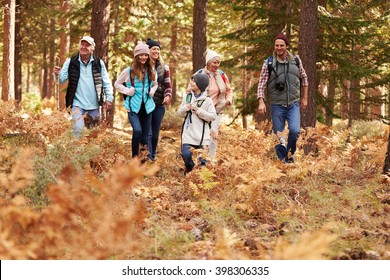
x: 50, y: 83
x: 330, y: 105
x: 8, y: 76
x: 64, y: 47
x: 44, y: 73
x: 386, y: 167
x: 173, y: 60
x: 355, y: 95
x: 307, y: 51
x: 100, y: 28
x: 199, y: 39
x: 345, y: 99
x: 18, y: 55
x: 376, y: 110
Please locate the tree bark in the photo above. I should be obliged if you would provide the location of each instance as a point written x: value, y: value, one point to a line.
x: 18, y: 55
x: 330, y: 98
x: 64, y: 48
x: 173, y: 60
x: 307, y: 50
x: 386, y: 167
x: 8, y: 76
x: 50, y: 83
x: 199, y: 40
x: 100, y: 28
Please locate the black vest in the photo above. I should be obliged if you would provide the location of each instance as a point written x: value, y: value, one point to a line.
x: 159, y: 94
x: 74, y: 75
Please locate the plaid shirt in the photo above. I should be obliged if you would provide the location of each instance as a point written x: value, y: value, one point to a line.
x: 264, y: 78
x: 167, y: 82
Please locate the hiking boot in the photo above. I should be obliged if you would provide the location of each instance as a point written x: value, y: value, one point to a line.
x: 288, y: 160
x: 202, y: 161
x: 186, y: 171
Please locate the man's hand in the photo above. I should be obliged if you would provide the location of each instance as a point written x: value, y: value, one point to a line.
x: 57, y: 70
x: 261, y: 108
x: 107, y: 106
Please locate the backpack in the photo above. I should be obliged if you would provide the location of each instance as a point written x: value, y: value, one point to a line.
x: 199, y: 104
x: 271, y: 68
x: 223, y: 75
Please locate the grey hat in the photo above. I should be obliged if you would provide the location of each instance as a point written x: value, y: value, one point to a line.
x: 201, y: 80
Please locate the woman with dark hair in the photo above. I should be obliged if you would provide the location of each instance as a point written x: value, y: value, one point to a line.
x: 140, y: 85
x: 161, y: 97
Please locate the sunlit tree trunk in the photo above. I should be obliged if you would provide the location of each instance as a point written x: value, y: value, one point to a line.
x: 331, y: 95
x: 173, y: 60
x: 50, y: 83
x: 307, y: 51
x: 64, y: 47
x: 18, y: 55
x: 8, y: 76
x: 199, y: 40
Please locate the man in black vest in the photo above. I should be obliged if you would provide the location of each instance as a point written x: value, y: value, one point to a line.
x: 283, y: 78
x: 89, y: 84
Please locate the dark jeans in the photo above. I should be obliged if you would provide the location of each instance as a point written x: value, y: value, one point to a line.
x: 157, y: 117
x: 141, y: 123
x: 186, y: 154
x: 280, y: 114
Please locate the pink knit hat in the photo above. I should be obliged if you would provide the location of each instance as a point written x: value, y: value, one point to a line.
x: 141, y: 47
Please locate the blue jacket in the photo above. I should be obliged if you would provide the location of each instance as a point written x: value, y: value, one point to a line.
x: 142, y: 89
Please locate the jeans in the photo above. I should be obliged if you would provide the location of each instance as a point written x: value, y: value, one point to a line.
x: 141, y: 123
x: 186, y: 154
x: 213, y: 145
x: 280, y: 114
x: 91, y: 119
x: 157, y: 117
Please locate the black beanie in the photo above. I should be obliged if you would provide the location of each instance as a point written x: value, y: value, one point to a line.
x: 201, y: 80
x: 284, y: 38
x: 151, y: 43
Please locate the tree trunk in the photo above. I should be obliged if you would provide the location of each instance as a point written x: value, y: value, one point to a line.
x: 307, y: 51
x: 331, y: 95
x: 50, y: 83
x: 344, y: 100
x: 64, y: 48
x: 173, y: 60
x: 355, y: 95
x: 44, y: 73
x: 8, y: 76
x: 100, y: 28
x: 18, y: 55
x: 199, y: 40
x: 386, y: 167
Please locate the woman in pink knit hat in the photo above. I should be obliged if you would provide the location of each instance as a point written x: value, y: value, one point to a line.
x: 138, y: 83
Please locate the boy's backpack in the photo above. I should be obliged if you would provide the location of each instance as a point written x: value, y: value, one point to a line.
x: 271, y: 68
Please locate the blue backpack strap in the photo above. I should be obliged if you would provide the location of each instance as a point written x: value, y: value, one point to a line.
x: 270, y: 67
x: 296, y: 60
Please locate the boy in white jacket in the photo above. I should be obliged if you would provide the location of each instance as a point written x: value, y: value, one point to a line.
x: 198, y: 112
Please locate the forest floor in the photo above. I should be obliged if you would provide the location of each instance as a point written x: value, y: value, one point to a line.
x: 62, y: 198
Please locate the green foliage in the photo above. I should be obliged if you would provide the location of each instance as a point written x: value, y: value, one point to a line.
x: 360, y: 129
x: 31, y: 102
